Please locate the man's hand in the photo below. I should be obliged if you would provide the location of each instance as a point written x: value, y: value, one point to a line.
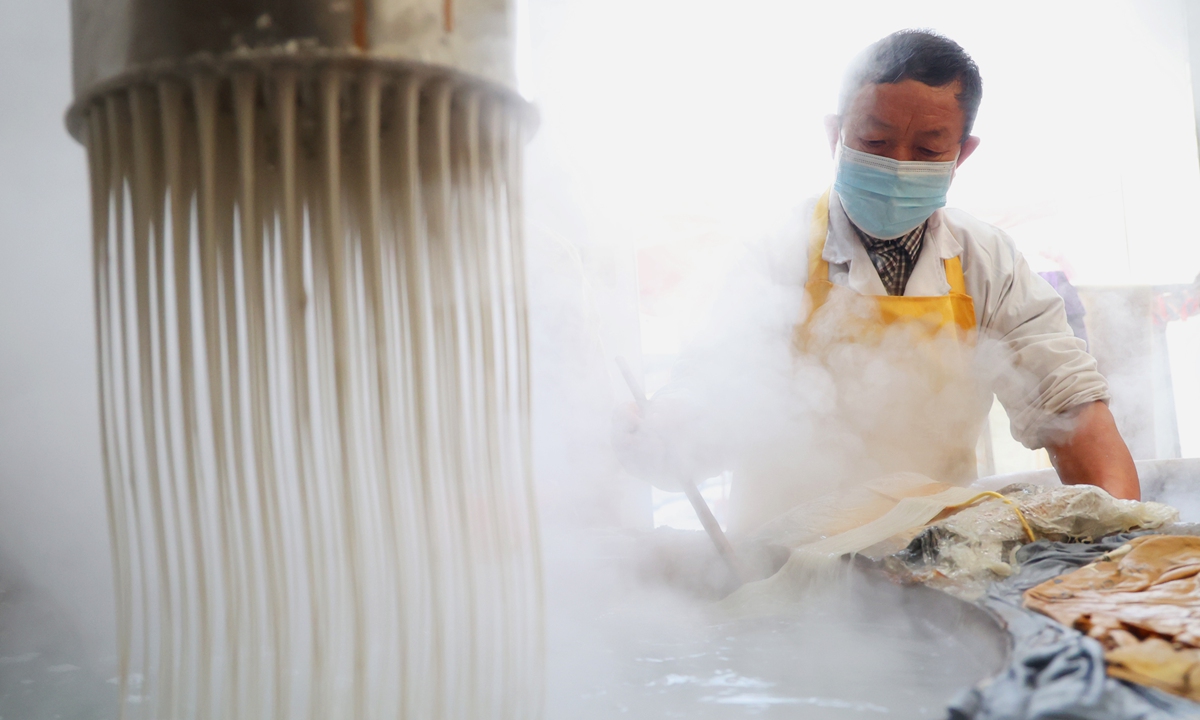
x: 1092, y: 452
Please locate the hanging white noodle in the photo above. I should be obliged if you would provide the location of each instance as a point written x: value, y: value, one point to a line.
x: 313, y: 372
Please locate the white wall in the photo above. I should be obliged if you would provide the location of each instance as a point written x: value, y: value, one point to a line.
x: 664, y: 109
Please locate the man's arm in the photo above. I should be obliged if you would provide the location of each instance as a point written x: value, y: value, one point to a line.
x: 1051, y: 387
x: 1092, y: 452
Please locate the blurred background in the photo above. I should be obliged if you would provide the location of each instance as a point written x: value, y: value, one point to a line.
x: 672, y: 131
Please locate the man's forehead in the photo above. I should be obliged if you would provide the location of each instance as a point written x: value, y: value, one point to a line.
x: 908, y: 105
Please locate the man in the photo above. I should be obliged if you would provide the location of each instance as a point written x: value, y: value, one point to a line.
x: 903, y: 319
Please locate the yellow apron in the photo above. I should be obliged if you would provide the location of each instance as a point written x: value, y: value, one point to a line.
x: 901, y: 366
x: 929, y: 315
x: 890, y: 386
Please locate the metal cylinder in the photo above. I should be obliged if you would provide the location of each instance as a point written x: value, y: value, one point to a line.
x: 118, y: 41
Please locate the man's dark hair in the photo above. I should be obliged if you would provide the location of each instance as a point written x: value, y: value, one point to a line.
x: 919, y: 55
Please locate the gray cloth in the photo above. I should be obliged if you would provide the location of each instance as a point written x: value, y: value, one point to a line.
x: 1056, y: 672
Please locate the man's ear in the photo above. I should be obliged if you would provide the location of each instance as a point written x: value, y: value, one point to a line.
x: 968, y: 147
x: 833, y: 130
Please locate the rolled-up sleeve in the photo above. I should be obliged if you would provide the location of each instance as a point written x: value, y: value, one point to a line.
x: 1038, y: 368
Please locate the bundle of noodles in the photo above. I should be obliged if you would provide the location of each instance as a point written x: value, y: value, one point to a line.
x: 314, y: 380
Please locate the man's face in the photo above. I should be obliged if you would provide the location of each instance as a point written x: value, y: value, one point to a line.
x: 906, y: 121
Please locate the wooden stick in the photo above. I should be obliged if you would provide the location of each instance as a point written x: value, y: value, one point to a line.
x: 707, y: 519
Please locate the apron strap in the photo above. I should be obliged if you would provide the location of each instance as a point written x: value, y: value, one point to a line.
x: 818, y: 230
x: 954, y: 276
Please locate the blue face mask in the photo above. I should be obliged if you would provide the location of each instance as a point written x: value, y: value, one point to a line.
x: 887, y: 198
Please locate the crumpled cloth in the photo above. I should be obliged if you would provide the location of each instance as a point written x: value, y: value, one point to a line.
x: 1137, y: 601
x: 964, y: 553
x: 1056, y: 672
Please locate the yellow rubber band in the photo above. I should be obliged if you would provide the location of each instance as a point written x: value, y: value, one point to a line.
x: 1010, y: 503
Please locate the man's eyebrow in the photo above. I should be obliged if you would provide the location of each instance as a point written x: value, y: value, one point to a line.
x: 935, y: 132
x: 876, y: 123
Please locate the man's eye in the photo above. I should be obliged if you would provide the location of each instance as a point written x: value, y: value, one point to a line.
x: 874, y: 143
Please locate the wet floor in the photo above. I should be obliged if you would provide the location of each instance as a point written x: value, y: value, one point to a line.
x: 621, y: 644
x: 46, y: 670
